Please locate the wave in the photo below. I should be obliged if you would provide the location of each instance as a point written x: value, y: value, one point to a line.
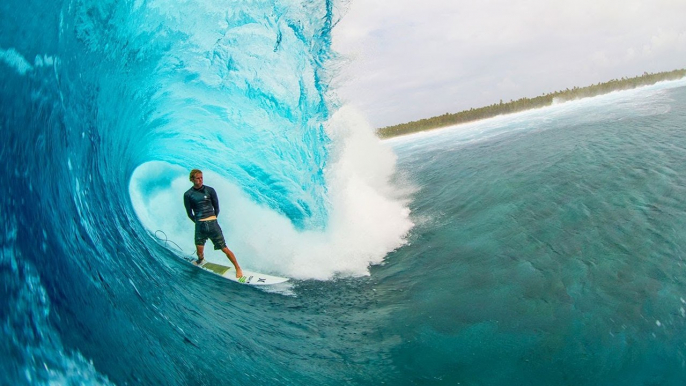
x: 99, y: 131
x: 367, y: 216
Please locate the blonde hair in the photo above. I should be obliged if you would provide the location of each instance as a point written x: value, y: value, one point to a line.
x: 193, y: 173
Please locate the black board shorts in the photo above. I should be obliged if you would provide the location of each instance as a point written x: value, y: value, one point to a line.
x: 209, y: 230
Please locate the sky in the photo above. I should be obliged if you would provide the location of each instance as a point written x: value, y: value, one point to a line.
x: 406, y: 60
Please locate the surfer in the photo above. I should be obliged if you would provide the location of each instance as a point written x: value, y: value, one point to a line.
x: 202, y: 207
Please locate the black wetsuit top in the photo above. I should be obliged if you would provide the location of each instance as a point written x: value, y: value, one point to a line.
x: 201, y: 203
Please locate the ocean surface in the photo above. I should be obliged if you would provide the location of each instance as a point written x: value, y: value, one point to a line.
x: 541, y: 248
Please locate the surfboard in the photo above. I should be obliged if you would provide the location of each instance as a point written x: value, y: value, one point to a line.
x: 249, y: 277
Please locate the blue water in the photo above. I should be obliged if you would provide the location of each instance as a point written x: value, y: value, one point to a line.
x: 539, y: 248
x: 554, y: 240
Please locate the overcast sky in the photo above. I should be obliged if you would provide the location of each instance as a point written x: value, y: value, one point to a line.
x: 416, y: 59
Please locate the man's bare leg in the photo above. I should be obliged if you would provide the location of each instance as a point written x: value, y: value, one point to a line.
x: 232, y: 258
x: 200, y: 251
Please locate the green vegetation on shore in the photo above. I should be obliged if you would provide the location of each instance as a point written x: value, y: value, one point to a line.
x: 528, y: 103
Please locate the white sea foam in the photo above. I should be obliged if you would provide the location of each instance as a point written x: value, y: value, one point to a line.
x: 15, y: 60
x: 642, y: 100
x: 369, y: 216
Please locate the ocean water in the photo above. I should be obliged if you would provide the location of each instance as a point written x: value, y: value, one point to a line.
x: 539, y: 248
x: 549, y: 247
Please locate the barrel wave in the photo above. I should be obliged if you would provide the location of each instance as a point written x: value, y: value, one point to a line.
x: 543, y: 247
x: 106, y: 106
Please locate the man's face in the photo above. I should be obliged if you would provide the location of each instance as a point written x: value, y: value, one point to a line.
x: 197, y: 180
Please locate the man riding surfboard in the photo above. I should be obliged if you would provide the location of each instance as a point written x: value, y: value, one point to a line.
x: 202, y: 207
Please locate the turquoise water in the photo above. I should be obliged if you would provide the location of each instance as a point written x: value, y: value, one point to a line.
x: 542, y: 248
x: 553, y: 252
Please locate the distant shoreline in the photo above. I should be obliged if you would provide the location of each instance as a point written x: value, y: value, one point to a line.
x: 524, y: 104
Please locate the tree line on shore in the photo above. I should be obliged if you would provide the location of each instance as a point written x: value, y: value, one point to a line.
x: 528, y: 103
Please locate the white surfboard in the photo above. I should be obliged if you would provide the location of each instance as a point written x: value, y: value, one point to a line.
x: 249, y: 277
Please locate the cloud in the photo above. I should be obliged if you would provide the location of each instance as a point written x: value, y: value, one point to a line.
x: 411, y: 60
x: 664, y: 42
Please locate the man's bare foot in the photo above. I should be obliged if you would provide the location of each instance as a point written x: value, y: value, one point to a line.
x: 199, y: 261
x: 239, y: 273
